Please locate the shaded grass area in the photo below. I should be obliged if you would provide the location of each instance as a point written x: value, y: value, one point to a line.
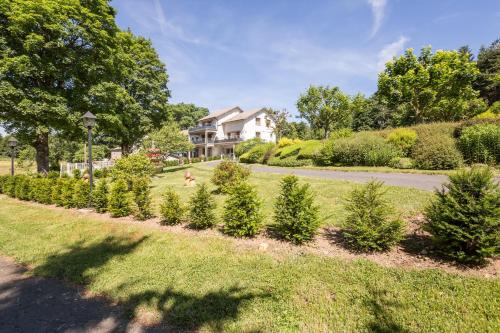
x: 207, y: 283
x: 330, y: 194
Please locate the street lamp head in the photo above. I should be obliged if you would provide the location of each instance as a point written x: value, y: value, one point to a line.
x: 12, y: 142
x: 89, y: 119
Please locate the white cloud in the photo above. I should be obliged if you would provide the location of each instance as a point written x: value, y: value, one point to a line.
x: 391, y: 50
x: 378, y: 9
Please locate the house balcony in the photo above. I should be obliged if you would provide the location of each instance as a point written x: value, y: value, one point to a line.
x: 229, y: 140
x: 203, y: 129
x: 201, y: 141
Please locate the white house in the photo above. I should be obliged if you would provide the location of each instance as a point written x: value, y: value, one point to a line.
x: 218, y: 133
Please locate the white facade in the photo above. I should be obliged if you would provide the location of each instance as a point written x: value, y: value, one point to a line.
x: 219, y: 132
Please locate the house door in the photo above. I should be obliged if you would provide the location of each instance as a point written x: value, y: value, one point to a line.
x: 209, y: 152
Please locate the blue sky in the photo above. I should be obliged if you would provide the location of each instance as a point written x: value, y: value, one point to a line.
x: 265, y: 53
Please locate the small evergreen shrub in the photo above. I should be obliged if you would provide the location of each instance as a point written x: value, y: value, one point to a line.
x: 295, y: 214
x: 369, y: 226
x: 9, y: 186
x: 481, y: 143
x: 67, y: 191
x: 242, y: 211
x: 77, y: 174
x: 23, y: 187
x: 119, y: 202
x: 227, y: 174
x: 464, y: 218
x: 100, y: 196
x: 436, y: 152
x: 3, y: 180
x: 245, y: 146
x: 171, y: 210
x: 42, y: 190
x: 404, y: 139
x: 81, y: 194
x: 56, y: 191
x: 142, y: 198
x: 258, y: 153
x: 202, y: 208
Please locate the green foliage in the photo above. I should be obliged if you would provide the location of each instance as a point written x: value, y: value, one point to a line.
x: 134, y: 165
x: 309, y: 149
x: 186, y: 115
x: 242, y: 211
x: 488, y: 63
x: 481, y: 143
x: 23, y: 187
x: 100, y: 196
x: 364, y: 148
x: 325, y: 109
x: 369, y: 226
x: 436, y: 152
x: 283, y: 142
x: 404, y: 139
x: 258, y: 154
x: 81, y: 194
x: 3, y: 180
x: 245, y: 146
x: 202, y: 208
x: 119, y: 201
x: 67, y: 191
x: 278, y: 120
x: 56, y: 192
x: 9, y: 186
x: 42, y: 189
x: 142, y: 198
x: 171, y: 210
x: 227, y: 174
x: 402, y: 163
x: 291, y: 161
x: 295, y: 214
x: 77, y: 174
x: 168, y: 139
x: 464, y: 218
x: 431, y: 87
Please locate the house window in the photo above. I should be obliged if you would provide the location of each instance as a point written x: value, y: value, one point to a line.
x: 257, y: 134
x: 257, y: 121
x: 268, y: 123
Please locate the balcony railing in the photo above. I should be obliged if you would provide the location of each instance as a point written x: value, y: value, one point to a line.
x: 228, y: 140
x: 202, y: 140
x: 203, y: 128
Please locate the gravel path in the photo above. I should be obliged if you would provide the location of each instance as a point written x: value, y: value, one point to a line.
x: 33, y: 304
x: 419, y: 181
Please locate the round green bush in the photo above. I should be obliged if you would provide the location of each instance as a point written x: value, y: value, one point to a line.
x: 481, y: 143
x: 436, y: 152
x: 133, y: 165
x: 227, y: 174
x: 404, y: 139
x: 242, y: 211
x: 464, y: 218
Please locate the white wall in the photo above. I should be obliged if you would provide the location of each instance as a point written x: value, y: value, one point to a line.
x: 220, y: 130
x: 250, y: 128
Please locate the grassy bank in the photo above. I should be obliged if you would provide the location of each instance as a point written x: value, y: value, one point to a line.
x: 210, y: 283
x: 330, y: 194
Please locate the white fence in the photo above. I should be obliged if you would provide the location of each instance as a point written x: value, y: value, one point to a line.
x: 96, y: 165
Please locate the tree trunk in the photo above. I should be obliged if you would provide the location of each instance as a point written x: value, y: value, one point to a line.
x: 125, y: 149
x: 42, y: 152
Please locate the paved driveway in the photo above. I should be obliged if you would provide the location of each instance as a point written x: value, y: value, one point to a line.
x: 419, y: 181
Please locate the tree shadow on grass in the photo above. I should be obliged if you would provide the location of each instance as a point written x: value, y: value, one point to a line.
x: 381, y: 308
x: 75, y: 263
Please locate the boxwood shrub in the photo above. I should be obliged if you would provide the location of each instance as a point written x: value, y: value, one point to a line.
x: 436, y: 152
x: 291, y: 161
x: 227, y: 174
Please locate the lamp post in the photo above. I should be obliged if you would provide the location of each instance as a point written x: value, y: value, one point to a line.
x: 12, y: 144
x: 89, y: 122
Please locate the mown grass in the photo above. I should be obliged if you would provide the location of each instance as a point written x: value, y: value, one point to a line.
x: 5, y: 167
x: 330, y: 194
x: 206, y: 283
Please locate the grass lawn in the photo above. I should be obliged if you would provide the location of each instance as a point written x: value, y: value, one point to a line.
x: 330, y: 194
x: 205, y: 283
x: 5, y: 167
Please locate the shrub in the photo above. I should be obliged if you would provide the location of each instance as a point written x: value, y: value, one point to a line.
x: 202, y: 208
x: 291, y: 161
x: 368, y: 226
x: 360, y: 149
x: 309, y: 149
x: 56, y: 191
x: 100, y: 196
x: 245, y: 146
x: 404, y: 139
x: 295, y: 214
x: 257, y: 154
x: 402, y: 163
x: 3, y: 180
x: 283, y: 142
x: 457, y: 133
x: 23, y: 187
x: 290, y: 150
x: 119, y: 199
x: 242, y: 211
x: 134, y: 165
x: 9, y: 186
x: 436, y: 152
x: 42, y: 189
x: 171, y: 210
x: 81, y: 193
x: 227, y: 174
x: 464, y: 218
x: 481, y: 143
x: 142, y: 198
x: 77, y: 174
x: 67, y: 189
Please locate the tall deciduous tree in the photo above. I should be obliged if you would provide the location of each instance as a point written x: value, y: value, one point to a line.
x: 279, y: 119
x: 488, y: 62
x: 431, y: 87
x: 51, y: 53
x: 325, y: 109
x: 186, y: 115
x: 133, y: 102
x: 169, y: 139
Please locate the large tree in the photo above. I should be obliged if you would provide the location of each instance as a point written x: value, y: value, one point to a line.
x: 325, y: 109
x: 168, y: 139
x: 432, y: 87
x: 133, y: 102
x: 186, y: 115
x: 488, y: 62
x: 52, y: 53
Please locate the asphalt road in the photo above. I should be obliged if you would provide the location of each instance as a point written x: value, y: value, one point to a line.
x: 419, y: 181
